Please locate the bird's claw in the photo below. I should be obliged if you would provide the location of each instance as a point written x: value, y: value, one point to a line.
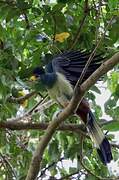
x: 56, y: 114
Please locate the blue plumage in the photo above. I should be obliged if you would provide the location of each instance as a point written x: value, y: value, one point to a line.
x: 48, y: 79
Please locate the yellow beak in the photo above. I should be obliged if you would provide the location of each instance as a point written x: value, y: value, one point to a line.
x: 33, y: 78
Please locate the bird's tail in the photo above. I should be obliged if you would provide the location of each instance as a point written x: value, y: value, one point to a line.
x: 101, y: 142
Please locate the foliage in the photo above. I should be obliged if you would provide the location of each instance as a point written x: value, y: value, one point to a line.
x: 27, y: 38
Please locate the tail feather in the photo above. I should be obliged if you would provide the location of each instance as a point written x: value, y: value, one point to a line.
x: 101, y: 142
x: 94, y: 130
x: 99, y: 139
x: 105, y: 151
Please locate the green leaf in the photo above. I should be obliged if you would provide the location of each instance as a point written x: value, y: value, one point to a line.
x: 72, y: 170
x: 96, y: 89
x: 62, y: 1
x: 113, y: 4
x: 2, y: 30
x: 23, y: 5
x: 36, y: 11
x: 113, y: 81
x: 113, y: 126
x: 54, y: 150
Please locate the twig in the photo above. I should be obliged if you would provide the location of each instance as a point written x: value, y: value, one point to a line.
x: 22, y: 98
x: 4, y: 165
x: 27, y: 20
x: 104, y: 122
x: 96, y: 19
x: 77, y: 36
x: 54, y: 30
x: 69, y: 175
x: 34, y: 108
x: 49, y: 166
x: 8, y: 164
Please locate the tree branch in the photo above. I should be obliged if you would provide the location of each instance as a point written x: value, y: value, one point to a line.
x: 76, y: 99
x: 22, y: 98
x: 30, y: 125
x: 21, y: 125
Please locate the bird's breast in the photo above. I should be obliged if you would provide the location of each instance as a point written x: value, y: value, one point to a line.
x: 61, y: 91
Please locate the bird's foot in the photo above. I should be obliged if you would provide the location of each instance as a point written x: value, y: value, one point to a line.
x: 56, y: 114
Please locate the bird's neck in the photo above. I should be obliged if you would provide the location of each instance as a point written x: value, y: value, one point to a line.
x: 49, y: 79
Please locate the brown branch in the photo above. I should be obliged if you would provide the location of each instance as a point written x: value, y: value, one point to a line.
x: 21, y: 125
x: 76, y: 99
x: 30, y: 125
x: 22, y: 98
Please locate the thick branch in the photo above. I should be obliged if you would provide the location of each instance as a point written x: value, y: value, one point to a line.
x: 78, y: 95
x: 26, y: 125
x: 21, y: 125
x: 29, y: 125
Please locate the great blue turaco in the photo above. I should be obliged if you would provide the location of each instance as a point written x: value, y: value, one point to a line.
x: 60, y: 77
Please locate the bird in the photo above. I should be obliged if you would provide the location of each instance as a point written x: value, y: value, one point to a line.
x: 60, y: 77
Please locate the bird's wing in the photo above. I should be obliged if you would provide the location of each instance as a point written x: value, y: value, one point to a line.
x: 71, y: 65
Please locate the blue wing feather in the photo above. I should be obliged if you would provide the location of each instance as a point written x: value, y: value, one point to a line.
x: 72, y: 63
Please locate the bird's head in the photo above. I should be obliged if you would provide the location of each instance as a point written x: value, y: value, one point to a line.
x: 46, y: 79
x: 37, y: 73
